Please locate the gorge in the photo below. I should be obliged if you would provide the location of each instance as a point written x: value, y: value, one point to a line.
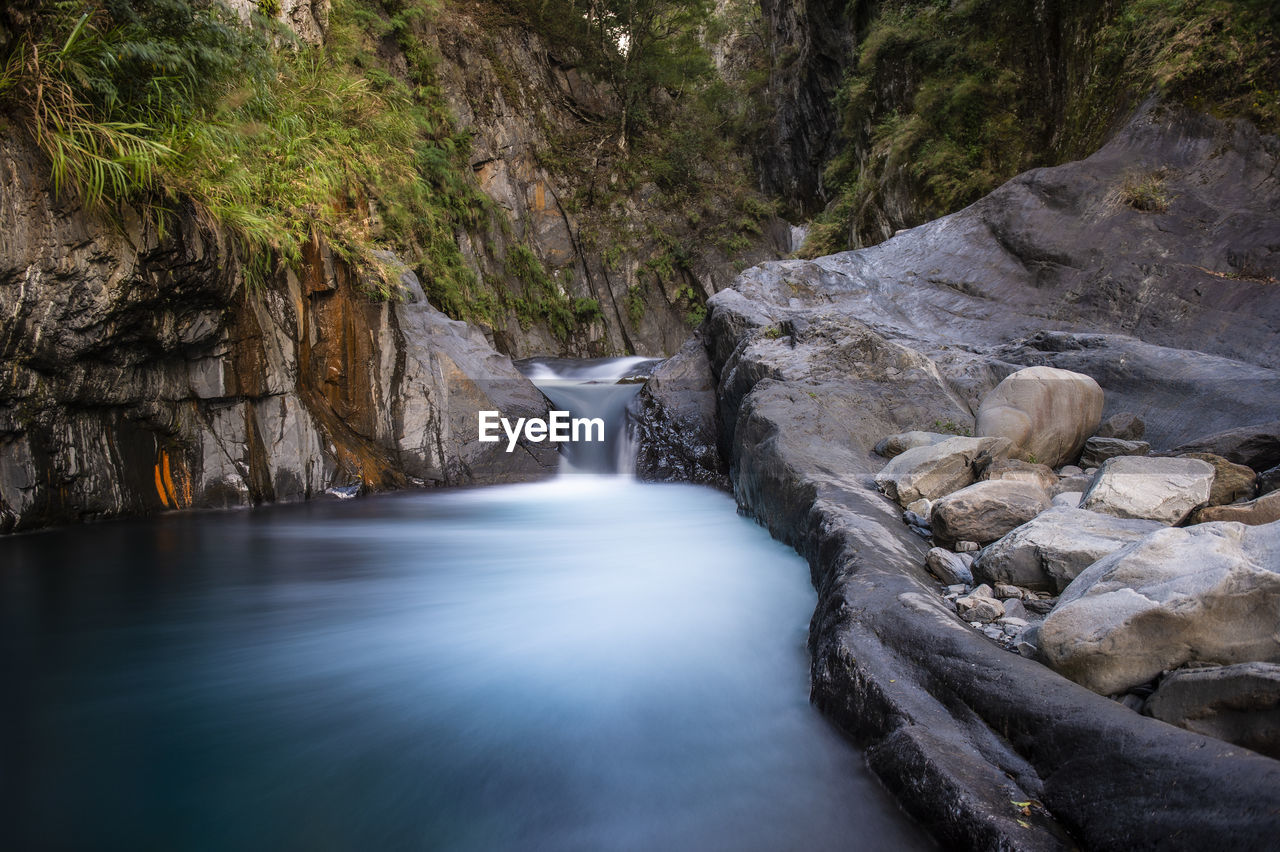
x: 774, y: 251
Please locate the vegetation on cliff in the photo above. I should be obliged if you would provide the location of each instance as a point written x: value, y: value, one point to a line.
x: 156, y: 103
x: 944, y: 101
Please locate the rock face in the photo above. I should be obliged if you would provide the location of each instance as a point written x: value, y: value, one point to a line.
x: 1125, y: 426
x: 1158, y: 489
x: 1207, y: 593
x: 139, y: 375
x: 1264, y: 510
x: 1047, y: 413
x: 309, y: 19
x: 1255, y: 446
x: 1231, y: 482
x: 1047, y: 553
x: 816, y: 361
x: 676, y: 424
x: 1239, y: 704
x: 985, y: 511
x: 935, y: 470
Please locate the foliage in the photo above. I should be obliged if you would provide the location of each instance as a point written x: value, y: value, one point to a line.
x: 1144, y: 192
x: 953, y: 96
x: 154, y: 102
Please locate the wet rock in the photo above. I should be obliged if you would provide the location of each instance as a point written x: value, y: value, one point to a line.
x: 675, y: 422
x: 1047, y: 413
x: 986, y: 511
x: 1264, y: 510
x: 1098, y: 450
x: 1231, y: 482
x: 936, y: 470
x: 1239, y: 704
x: 896, y: 445
x: 1207, y: 593
x: 1051, y: 550
x: 1158, y: 489
x: 1269, y: 480
x: 1125, y: 426
x: 1255, y: 446
x: 948, y: 567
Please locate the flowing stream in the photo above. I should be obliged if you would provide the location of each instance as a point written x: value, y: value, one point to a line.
x: 587, y: 663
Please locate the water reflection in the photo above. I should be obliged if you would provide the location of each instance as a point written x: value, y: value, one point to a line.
x: 586, y: 664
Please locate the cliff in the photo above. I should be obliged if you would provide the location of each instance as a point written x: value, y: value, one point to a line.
x: 140, y: 372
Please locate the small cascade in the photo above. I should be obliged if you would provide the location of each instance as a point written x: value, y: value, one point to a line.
x: 593, y: 387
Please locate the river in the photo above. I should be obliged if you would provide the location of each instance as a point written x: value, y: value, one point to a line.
x: 587, y: 663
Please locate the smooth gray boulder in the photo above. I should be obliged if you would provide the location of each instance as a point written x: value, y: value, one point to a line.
x: 1068, y: 499
x: 896, y: 445
x: 950, y: 568
x: 1047, y: 413
x: 1239, y: 704
x: 1098, y: 450
x: 936, y: 470
x: 1208, y: 593
x: 1157, y: 489
x: 1051, y: 550
x: 985, y: 511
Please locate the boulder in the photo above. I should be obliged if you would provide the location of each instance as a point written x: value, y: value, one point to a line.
x: 1016, y: 470
x: 1125, y: 426
x: 1231, y: 482
x: 1239, y: 704
x: 1158, y: 489
x: 1255, y: 446
x: 1047, y: 553
x: 896, y: 445
x: 975, y: 607
x: 1208, y: 593
x: 1068, y: 499
x: 1075, y: 482
x: 986, y: 511
x: 1255, y: 513
x: 936, y: 470
x: 1269, y: 480
x: 948, y: 567
x: 1097, y: 450
x: 1047, y: 413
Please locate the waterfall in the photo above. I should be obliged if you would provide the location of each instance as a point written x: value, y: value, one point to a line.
x: 593, y: 387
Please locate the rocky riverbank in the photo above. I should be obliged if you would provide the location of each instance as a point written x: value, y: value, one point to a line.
x: 1172, y: 314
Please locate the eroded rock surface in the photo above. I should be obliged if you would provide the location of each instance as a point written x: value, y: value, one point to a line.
x: 816, y: 362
